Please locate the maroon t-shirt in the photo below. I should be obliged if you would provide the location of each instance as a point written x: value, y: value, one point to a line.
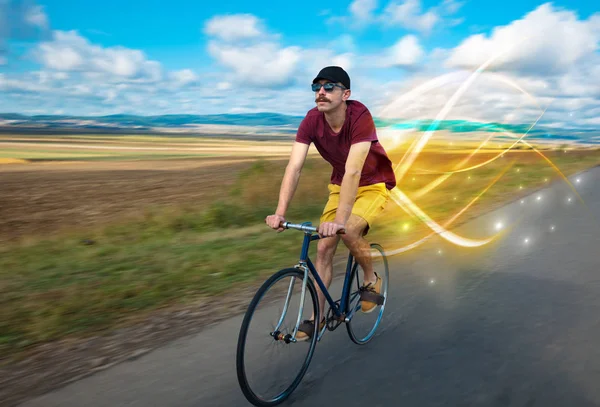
x: 334, y: 147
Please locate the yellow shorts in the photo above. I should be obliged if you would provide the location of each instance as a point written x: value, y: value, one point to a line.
x: 370, y: 202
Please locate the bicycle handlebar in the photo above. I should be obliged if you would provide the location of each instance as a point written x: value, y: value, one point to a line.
x: 305, y: 228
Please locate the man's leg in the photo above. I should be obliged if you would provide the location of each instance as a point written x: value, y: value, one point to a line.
x: 326, y: 248
x: 359, y: 247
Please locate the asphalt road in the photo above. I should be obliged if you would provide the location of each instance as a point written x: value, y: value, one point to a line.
x: 516, y: 323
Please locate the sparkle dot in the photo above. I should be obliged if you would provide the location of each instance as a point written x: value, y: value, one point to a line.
x: 570, y: 199
x: 526, y: 240
x: 518, y: 170
x: 552, y: 228
x: 499, y: 225
x: 578, y: 180
x: 413, y: 178
x: 432, y: 281
x: 405, y: 226
x: 520, y: 186
x: 539, y: 198
x: 469, y: 177
x: 439, y: 252
x: 522, y: 201
x: 545, y: 179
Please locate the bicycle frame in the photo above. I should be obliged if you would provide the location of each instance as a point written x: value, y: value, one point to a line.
x: 305, y: 260
x: 305, y: 264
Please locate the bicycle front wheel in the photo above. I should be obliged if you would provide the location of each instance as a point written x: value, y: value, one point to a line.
x: 362, y: 326
x: 270, y: 365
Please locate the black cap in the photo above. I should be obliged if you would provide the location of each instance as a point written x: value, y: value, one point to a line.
x: 334, y: 74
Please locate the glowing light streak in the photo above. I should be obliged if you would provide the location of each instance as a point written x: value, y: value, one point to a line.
x: 418, y: 145
x: 401, y: 169
x: 563, y: 176
x: 451, y: 220
x: 403, y: 201
x: 510, y: 134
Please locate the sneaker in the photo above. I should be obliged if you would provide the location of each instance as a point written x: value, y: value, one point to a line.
x: 370, y: 296
x: 307, y: 328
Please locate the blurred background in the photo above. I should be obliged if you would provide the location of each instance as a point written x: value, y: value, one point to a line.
x: 143, y: 143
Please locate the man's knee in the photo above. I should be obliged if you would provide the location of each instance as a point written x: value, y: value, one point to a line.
x: 355, y: 229
x: 326, y: 248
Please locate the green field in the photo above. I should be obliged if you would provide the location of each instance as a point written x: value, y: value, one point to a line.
x: 89, y: 280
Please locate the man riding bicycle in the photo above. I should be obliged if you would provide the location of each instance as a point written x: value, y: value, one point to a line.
x: 344, y: 133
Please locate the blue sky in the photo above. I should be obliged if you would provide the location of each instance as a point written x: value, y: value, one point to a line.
x: 150, y: 57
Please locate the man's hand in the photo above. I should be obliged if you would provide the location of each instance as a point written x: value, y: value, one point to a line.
x: 274, y: 221
x: 327, y: 229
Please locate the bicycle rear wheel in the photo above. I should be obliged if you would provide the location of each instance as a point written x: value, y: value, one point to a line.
x: 362, y: 326
x: 269, y: 365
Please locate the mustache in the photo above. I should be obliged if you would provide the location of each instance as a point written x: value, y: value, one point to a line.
x: 322, y: 99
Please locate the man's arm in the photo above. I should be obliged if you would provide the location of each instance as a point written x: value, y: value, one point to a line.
x: 289, y: 183
x: 291, y: 177
x: 349, y: 188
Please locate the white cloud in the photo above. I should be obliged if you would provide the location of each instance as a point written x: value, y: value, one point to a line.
x: 577, y: 81
x: 545, y: 41
x: 315, y: 59
x: 50, y: 76
x: 60, y: 58
x: 233, y: 27
x: 123, y: 62
x: 252, y: 57
x: 24, y: 84
x: 184, y: 77
x: 223, y: 86
x: 550, y: 53
x: 362, y: 10
x: 343, y: 60
x: 451, y: 6
x: 69, y: 51
x: 490, y: 98
x: 257, y: 64
x: 36, y: 16
x: 408, y: 14
x: 405, y: 53
x: 340, y: 51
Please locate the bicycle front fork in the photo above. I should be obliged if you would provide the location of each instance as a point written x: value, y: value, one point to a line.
x: 276, y: 333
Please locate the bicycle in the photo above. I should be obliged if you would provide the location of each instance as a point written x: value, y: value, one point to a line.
x: 280, y: 333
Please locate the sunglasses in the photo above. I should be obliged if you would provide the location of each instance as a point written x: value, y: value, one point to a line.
x: 327, y: 86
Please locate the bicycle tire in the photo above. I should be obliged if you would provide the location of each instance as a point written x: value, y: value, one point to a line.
x: 356, y: 338
x: 249, y: 393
